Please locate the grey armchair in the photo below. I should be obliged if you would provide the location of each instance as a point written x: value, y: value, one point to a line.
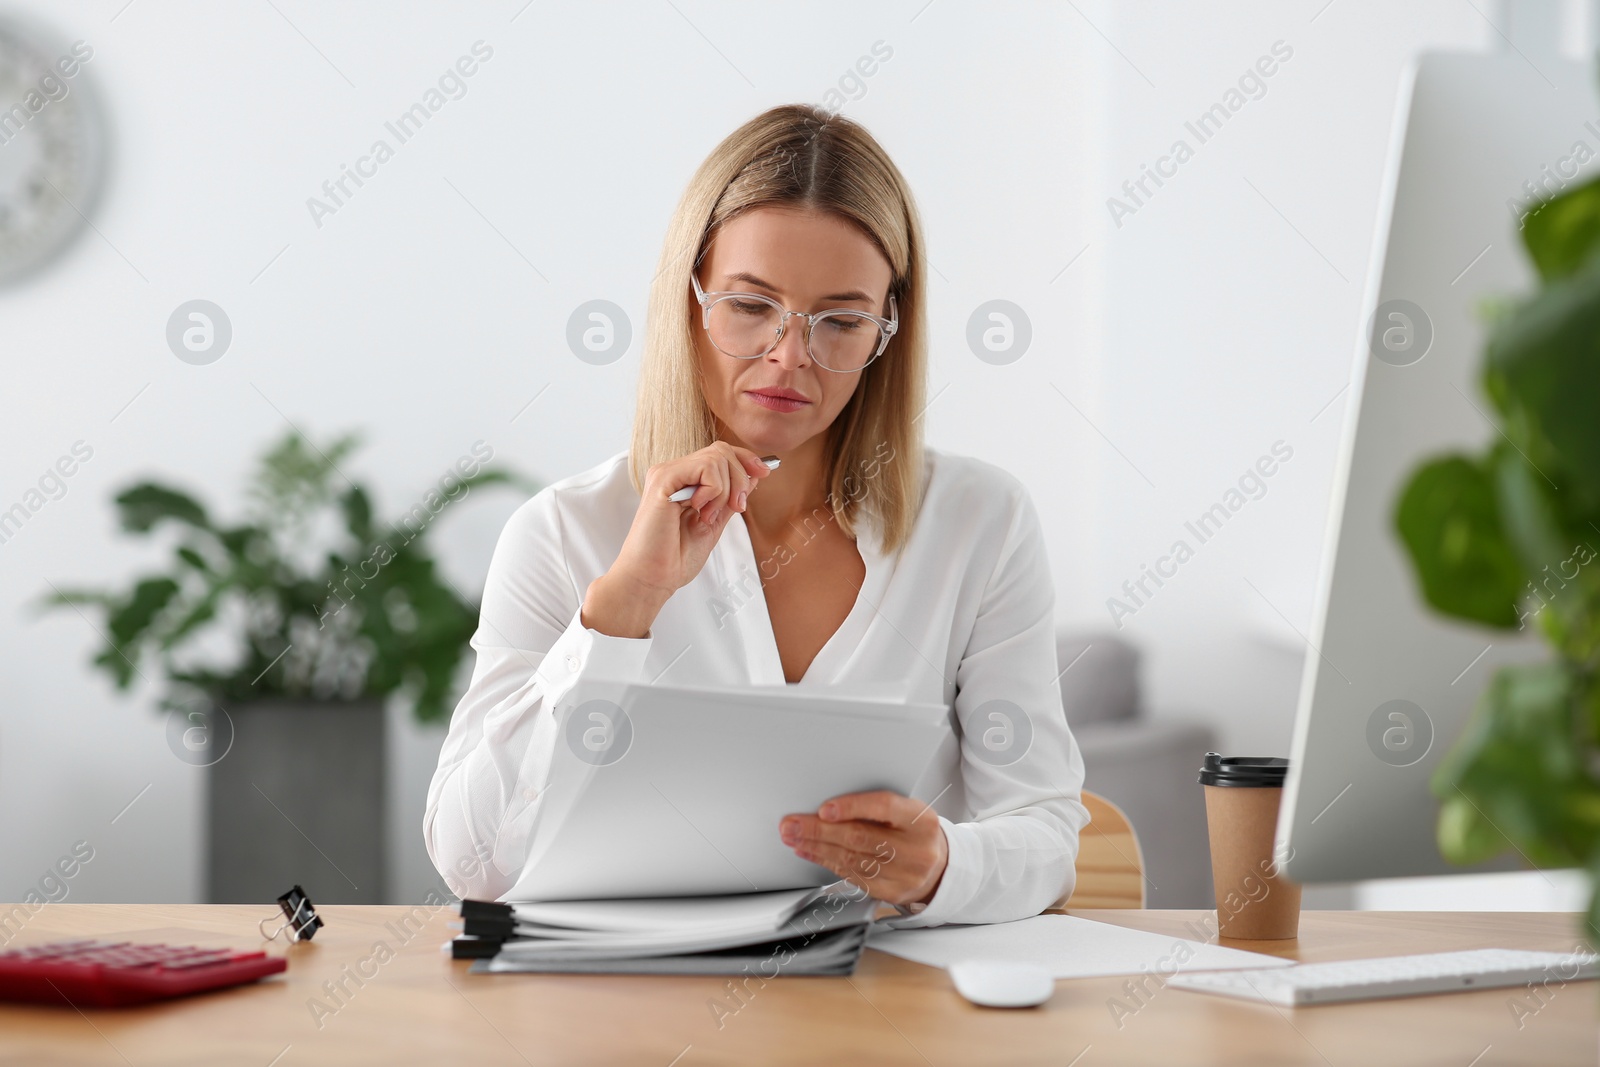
x: 1147, y: 767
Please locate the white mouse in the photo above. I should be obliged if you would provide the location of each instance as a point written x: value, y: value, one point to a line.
x: 1002, y: 983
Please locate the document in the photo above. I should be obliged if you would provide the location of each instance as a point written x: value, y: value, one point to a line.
x: 1068, y: 946
x: 682, y: 793
x: 650, y: 915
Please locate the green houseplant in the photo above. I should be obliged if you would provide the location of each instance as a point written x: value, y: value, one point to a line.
x: 366, y: 616
x: 1508, y: 538
x: 279, y: 639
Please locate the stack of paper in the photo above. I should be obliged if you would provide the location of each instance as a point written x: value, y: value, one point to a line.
x: 797, y: 931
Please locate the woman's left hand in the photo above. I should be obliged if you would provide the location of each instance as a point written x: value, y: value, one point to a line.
x: 888, y: 844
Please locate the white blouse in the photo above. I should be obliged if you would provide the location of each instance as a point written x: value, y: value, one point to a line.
x: 963, y: 617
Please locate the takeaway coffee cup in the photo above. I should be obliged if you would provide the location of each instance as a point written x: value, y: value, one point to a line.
x: 1242, y: 794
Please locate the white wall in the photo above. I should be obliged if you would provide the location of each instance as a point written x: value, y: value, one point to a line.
x: 432, y: 307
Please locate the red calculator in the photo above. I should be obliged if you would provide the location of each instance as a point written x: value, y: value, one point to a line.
x: 109, y: 974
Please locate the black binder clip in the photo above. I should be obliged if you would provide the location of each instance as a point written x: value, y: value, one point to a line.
x: 303, y: 921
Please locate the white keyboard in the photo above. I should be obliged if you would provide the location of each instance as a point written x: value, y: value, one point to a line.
x: 1394, y: 976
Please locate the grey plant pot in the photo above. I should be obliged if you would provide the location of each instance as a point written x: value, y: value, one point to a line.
x: 299, y: 799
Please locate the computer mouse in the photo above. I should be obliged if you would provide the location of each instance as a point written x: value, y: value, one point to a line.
x: 1002, y: 983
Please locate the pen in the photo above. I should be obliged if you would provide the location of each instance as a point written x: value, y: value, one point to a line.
x: 688, y: 491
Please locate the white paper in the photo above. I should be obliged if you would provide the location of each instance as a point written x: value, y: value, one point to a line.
x: 751, y: 920
x: 656, y: 915
x: 660, y: 822
x: 1068, y: 946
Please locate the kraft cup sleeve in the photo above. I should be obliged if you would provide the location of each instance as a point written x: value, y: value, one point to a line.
x: 1252, y: 900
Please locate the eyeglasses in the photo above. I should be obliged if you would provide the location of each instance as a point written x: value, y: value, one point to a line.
x: 749, y: 325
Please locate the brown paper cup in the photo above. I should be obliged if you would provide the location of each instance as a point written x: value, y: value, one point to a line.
x: 1252, y: 901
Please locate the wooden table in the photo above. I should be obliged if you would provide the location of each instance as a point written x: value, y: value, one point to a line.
x: 405, y: 1002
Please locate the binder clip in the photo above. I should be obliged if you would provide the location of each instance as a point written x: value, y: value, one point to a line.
x: 302, y: 919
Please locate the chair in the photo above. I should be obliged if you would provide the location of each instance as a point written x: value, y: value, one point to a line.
x: 1110, y: 865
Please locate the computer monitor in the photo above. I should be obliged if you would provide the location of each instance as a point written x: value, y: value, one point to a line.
x: 1388, y: 683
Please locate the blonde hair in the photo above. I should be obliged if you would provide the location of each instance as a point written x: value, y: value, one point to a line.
x: 801, y: 157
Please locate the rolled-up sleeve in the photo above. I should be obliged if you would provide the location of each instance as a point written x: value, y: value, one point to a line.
x: 532, y: 649
x: 1021, y: 769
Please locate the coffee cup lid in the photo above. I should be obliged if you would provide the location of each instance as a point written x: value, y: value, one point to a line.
x: 1258, y: 771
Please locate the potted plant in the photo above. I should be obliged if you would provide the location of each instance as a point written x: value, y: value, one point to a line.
x: 1509, y: 538
x: 279, y: 638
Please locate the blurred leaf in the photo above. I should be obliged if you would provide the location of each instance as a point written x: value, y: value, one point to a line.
x: 357, y: 513
x: 1449, y: 522
x: 117, y: 664
x: 1527, y: 512
x: 294, y: 476
x: 75, y: 596
x: 1562, y: 232
x: 1543, y: 365
x: 500, y: 476
x: 146, y: 504
x: 193, y: 559
x: 238, y: 539
x: 202, y: 612
x: 128, y: 620
x: 1465, y: 836
x: 1517, y: 768
x: 133, y: 616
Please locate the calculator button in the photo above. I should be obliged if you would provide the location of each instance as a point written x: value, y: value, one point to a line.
x: 201, y: 961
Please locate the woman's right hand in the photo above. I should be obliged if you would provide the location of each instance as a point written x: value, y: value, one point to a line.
x: 669, y: 541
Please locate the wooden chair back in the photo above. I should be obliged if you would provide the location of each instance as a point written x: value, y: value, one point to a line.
x: 1110, y: 865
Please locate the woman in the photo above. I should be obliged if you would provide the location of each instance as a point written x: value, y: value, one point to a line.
x: 863, y: 558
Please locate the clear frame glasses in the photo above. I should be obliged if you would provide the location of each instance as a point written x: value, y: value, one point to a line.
x: 749, y: 325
